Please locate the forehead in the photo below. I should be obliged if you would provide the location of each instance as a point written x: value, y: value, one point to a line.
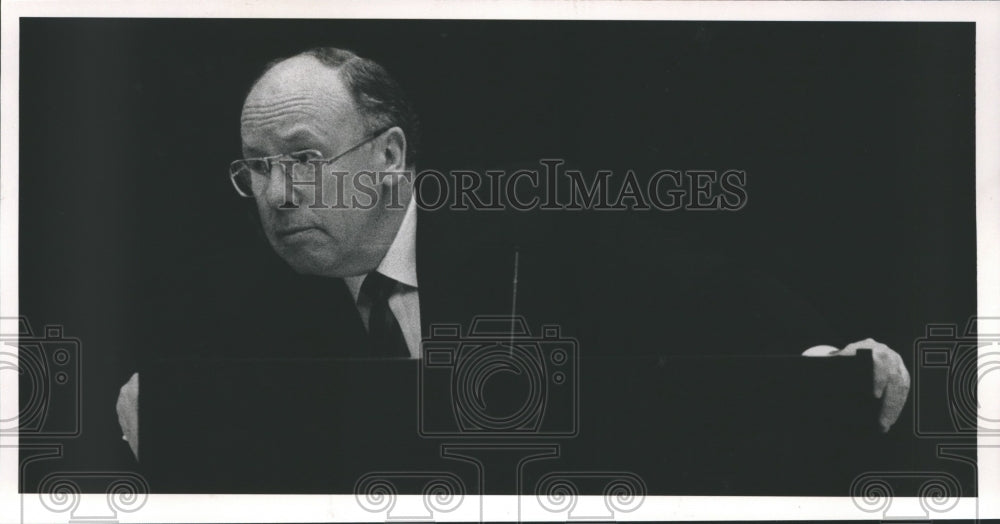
x: 298, y: 93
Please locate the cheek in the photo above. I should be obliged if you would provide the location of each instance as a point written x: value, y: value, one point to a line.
x: 267, y: 220
x: 264, y: 215
x: 333, y: 222
x: 345, y: 225
x: 341, y: 189
x: 333, y: 193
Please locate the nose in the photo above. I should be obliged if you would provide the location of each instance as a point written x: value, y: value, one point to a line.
x: 276, y: 192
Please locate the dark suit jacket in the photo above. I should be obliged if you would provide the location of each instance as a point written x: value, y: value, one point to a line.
x: 614, y: 298
x: 621, y: 291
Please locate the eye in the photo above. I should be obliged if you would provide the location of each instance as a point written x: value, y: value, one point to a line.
x: 306, y: 155
x: 257, y: 165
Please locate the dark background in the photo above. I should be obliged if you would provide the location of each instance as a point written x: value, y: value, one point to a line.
x: 857, y: 140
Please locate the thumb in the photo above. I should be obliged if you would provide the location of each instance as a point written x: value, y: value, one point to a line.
x: 820, y: 351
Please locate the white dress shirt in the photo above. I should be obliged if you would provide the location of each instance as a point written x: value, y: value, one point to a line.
x: 399, y: 264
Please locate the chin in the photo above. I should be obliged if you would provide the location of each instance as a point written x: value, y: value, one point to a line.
x: 300, y: 260
x: 302, y: 266
x: 307, y: 263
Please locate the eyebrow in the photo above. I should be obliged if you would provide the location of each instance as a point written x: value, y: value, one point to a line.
x: 252, y: 152
x: 296, y: 134
x: 299, y: 133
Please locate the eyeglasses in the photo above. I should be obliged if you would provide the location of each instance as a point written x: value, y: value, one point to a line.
x: 250, y: 175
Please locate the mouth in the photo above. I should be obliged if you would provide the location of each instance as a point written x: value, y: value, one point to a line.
x: 290, y: 232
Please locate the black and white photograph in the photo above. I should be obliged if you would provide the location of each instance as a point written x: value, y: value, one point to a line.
x: 503, y: 262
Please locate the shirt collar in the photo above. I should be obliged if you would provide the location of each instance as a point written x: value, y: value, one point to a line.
x: 400, y: 260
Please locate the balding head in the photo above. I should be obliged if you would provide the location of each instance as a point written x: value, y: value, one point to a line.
x: 299, y: 94
x: 303, y: 104
x: 377, y: 97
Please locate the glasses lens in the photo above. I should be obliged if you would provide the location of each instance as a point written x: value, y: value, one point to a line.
x: 304, y: 168
x: 259, y: 166
x: 242, y: 177
x: 250, y: 175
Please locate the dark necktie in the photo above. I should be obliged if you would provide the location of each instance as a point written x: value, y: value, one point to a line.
x: 383, y: 329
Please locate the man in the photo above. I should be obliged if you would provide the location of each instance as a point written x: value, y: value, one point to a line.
x: 402, y: 270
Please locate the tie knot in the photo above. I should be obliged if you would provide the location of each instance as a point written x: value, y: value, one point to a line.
x: 378, y: 287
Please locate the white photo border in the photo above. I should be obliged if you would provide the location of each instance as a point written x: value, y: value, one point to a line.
x: 14, y: 507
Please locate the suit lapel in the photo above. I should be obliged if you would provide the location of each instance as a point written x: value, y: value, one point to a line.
x: 327, y: 318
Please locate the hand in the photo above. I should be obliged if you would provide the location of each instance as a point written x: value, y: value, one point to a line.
x: 128, y: 413
x: 892, y: 381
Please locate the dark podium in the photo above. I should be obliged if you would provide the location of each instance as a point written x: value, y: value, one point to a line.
x: 504, y: 418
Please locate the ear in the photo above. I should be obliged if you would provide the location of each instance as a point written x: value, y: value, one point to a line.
x: 392, y: 150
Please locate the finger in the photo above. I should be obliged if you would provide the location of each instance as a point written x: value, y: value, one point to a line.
x: 883, y: 367
x: 851, y: 349
x: 127, y: 407
x: 126, y: 413
x: 896, y: 391
x: 127, y: 421
x: 892, y: 404
x: 133, y: 444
